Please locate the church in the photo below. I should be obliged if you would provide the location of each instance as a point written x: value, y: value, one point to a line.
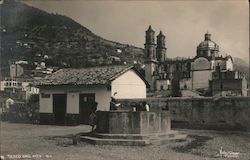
x: 207, y: 74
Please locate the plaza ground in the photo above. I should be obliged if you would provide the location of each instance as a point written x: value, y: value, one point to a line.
x: 54, y: 142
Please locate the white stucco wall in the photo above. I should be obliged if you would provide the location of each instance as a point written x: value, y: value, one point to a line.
x: 46, y: 104
x: 2, y: 86
x: 187, y: 82
x: 212, y: 64
x: 72, y: 103
x: 201, y: 63
x: 9, y: 102
x: 229, y: 64
x: 102, y: 97
x: 201, y: 73
x: 149, y: 70
x: 165, y: 83
x: 201, y: 79
x: 128, y: 86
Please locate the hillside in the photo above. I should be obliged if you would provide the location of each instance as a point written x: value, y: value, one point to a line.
x: 30, y: 34
x: 33, y: 35
x: 242, y: 66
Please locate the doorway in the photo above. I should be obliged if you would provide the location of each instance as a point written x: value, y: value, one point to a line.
x: 59, y: 108
x: 86, y: 105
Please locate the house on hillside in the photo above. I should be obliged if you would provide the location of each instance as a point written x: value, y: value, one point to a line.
x: 68, y: 95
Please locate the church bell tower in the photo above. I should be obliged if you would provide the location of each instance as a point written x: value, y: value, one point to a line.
x: 150, y: 57
x: 161, y: 49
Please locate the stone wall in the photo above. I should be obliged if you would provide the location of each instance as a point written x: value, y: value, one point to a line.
x: 49, y: 119
x: 229, y: 87
x: 128, y: 122
x: 224, y: 113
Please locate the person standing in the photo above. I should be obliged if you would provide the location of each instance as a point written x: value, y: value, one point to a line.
x: 93, y: 118
x: 113, y: 104
x: 147, y: 107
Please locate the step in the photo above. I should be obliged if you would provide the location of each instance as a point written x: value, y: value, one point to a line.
x: 120, y: 136
x: 131, y: 136
x: 159, y: 141
x: 123, y: 142
x: 131, y: 139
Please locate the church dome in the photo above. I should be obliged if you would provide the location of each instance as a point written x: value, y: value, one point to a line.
x: 207, y: 47
x: 208, y: 43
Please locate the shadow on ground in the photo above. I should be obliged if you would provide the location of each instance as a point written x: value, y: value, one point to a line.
x: 193, y: 145
x: 63, y: 141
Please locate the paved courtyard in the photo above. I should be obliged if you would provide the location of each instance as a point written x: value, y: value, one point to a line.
x: 27, y: 141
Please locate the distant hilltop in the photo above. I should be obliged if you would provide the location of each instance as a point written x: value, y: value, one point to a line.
x: 29, y: 34
x: 32, y: 35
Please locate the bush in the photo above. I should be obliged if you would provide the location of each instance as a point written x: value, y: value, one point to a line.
x: 16, y: 113
x: 24, y: 112
x: 32, y: 109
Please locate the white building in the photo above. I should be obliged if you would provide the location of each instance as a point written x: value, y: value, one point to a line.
x: 14, y: 85
x: 10, y: 83
x: 177, y: 75
x: 68, y: 95
x: 16, y: 70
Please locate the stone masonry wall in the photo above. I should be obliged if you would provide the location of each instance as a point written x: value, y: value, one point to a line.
x: 224, y: 113
x: 128, y: 122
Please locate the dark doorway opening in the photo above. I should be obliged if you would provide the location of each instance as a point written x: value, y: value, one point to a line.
x: 59, y: 108
x: 86, y: 106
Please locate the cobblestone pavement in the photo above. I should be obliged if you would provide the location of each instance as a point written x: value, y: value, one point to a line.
x: 39, y: 142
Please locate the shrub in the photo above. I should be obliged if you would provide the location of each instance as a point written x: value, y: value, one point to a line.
x: 32, y: 108
x: 24, y: 112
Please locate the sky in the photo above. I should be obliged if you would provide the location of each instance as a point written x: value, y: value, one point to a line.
x: 184, y: 22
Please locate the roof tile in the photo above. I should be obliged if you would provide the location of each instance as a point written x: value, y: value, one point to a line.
x: 84, y: 76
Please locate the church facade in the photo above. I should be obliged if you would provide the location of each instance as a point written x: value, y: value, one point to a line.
x: 197, y: 74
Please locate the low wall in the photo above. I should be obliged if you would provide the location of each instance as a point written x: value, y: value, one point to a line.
x: 69, y: 119
x: 225, y: 113
x: 128, y: 122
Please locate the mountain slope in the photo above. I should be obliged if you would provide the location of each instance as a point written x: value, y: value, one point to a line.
x: 242, y: 66
x: 28, y: 33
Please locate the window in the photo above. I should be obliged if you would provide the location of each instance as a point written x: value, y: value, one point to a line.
x: 168, y: 87
x: 162, y: 87
x: 44, y: 95
x: 84, y: 99
x: 185, y: 86
x: 109, y: 88
x: 87, y: 97
x: 221, y: 86
x: 91, y: 98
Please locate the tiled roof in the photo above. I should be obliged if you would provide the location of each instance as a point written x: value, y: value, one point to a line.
x: 85, y: 76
